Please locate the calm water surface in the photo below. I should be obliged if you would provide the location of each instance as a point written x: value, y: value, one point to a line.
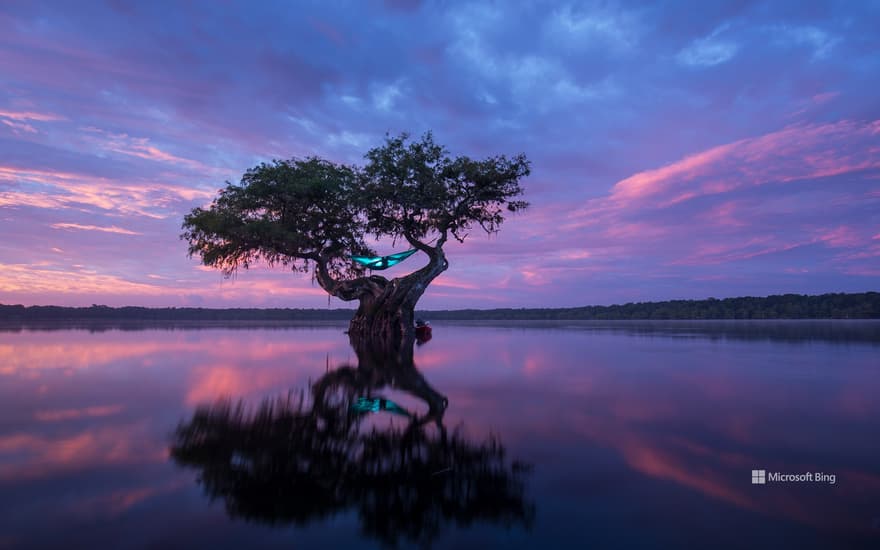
x: 634, y: 435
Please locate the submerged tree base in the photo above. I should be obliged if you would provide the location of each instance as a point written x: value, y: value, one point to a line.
x: 383, y: 328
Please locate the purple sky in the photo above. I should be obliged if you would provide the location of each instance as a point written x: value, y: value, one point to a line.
x: 682, y: 150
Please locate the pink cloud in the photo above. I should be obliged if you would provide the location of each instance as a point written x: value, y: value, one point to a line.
x: 27, y: 115
x: 140, y: 147
x: 19, y: 126
x: 793, y: 153
x: 652, y: 182
x: 73, y: 190
x: 725, y: 253
x: 449, y: 281
x: 110, y: 229
x: 842, y: 236
x: 19, y: 121
x: 40, y: 279
x: 728, y: 213
x: 535, y: 277
x: 825, y: 97
x: 653, y: 215
x: 575, y: 254
x: 45, y: 283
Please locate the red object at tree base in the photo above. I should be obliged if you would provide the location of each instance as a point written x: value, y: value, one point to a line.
x: 423, y: 332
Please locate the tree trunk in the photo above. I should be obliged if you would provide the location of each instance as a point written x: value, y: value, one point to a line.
x: 386, y: 310
x: 385, y: 320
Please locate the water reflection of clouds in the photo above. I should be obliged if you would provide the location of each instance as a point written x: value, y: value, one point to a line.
x: 76, y: 403
x: 27, y: 456
x: 721, y: 474
x: 699, y: 416
x: 691, y: 416
x: 77, y: 350
x: 58, y: 415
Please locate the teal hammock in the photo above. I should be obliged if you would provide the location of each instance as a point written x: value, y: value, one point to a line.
x: 383, y: 262
x: 376, y: 404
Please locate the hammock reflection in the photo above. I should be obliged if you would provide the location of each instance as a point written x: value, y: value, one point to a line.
x: 304, y: 457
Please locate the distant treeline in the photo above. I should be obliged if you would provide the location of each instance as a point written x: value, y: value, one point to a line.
x: 864, y: 305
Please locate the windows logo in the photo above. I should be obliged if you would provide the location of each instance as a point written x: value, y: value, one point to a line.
x: 759, y: 477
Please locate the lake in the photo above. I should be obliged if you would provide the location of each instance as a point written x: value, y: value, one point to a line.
x: 563, y: 434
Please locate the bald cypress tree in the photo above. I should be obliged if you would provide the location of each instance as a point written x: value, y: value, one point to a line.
x: 313, y: 215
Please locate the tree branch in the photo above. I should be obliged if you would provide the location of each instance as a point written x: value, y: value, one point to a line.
x: 415, y: 243
x: 442, y: 240
x: 347, y: 290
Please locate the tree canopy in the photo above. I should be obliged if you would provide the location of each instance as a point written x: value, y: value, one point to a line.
x: 313, y: 213
x: 289, y: 212
x: 414, y: 190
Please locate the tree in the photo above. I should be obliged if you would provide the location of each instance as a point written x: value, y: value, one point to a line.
x: 312, y: 215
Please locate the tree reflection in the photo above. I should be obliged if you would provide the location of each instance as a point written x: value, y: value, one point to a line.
x: 303, y: 457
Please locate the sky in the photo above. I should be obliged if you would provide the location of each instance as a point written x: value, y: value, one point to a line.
x: 679, y: 149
